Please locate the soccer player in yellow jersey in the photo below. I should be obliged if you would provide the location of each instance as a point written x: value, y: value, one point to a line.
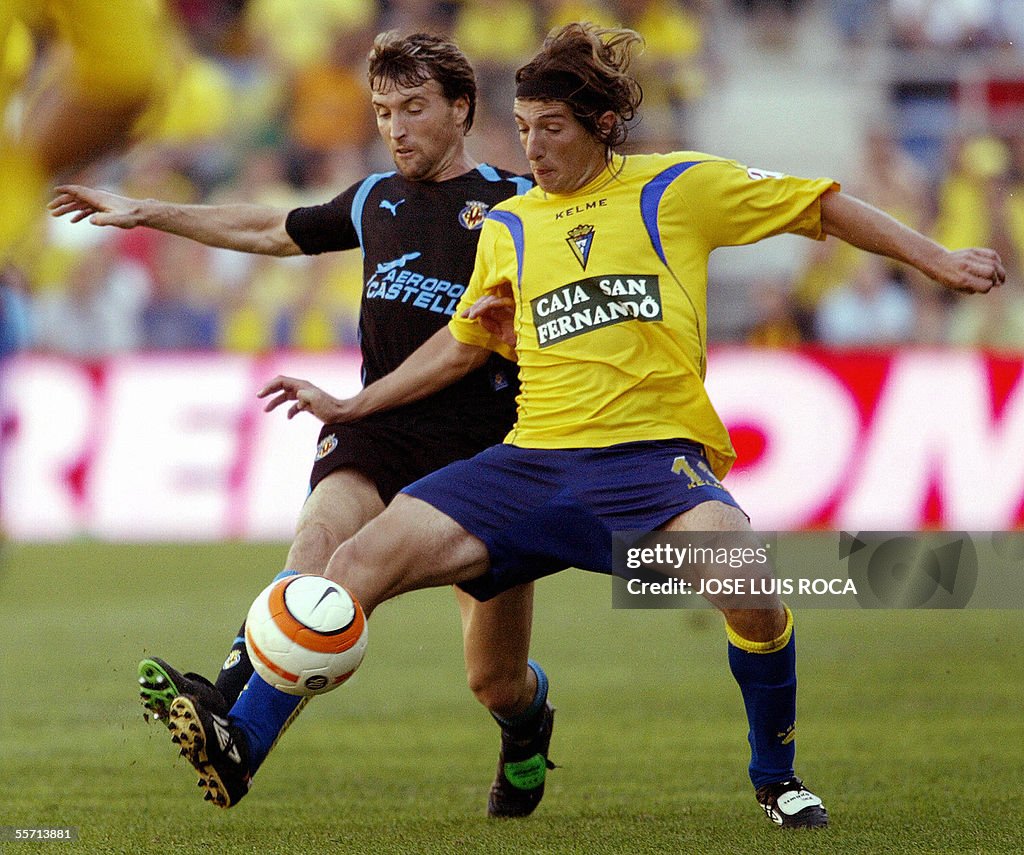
x: 103, y: 63
x: 595, y: 281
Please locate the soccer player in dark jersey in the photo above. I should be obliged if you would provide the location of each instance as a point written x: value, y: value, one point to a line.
x: 417, y: 228
x: 595, y: 281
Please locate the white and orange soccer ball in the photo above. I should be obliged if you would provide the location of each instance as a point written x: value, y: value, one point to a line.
x: 305, y: 634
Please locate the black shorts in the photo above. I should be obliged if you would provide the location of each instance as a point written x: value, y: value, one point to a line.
x: 395, y: 448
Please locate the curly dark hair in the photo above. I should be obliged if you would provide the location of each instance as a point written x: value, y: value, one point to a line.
x: 585, y: 66
x: 409, y: 61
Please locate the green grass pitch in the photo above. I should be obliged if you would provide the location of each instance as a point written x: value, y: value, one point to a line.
x: 910, y: 723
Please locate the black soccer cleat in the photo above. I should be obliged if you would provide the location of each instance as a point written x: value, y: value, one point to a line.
x: 789, y: 804
x: 215, y: 747
x: 160, y: 684
x: 522, y: 768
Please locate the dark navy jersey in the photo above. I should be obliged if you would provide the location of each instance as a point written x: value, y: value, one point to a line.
x: 419, y: 241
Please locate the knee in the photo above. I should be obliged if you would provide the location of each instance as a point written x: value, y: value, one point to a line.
x: 343, y: 564
x: 353, y: 569
x: 315, y: 540
x: 317, y: 526
x: 498, y: 689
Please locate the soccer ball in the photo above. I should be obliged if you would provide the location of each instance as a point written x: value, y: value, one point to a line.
x: 305, y: 634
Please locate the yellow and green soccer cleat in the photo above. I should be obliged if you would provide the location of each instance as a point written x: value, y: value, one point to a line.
x: 215, y: 747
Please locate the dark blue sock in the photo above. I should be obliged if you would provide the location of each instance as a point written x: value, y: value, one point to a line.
x: 768, y: 684
x: 263, y: 713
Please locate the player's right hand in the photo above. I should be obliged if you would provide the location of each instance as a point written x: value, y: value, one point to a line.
x: 496, y: 313
x: 971, y: 271
x: 101, y: 207
x: 307, y: 397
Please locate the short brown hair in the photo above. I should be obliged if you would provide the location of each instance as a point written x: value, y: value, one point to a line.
x: 413, y: 60
x: 585, y: 67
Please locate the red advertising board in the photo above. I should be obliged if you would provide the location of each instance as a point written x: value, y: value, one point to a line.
x: 178, y: 447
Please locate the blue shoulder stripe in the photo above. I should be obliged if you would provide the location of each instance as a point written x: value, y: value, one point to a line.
x: 650, y: 201
x: 360, y: 200
x: 523, y: 185
x: 488, y: 172
x: 515, y: 227
x: 491, y: 174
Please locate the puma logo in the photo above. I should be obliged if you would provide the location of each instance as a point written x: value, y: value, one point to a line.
x: 391, y: 206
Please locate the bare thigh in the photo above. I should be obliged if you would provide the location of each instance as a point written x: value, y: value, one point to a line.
x: 411, y: 545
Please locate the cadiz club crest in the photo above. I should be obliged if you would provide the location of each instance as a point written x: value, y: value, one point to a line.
x: 579, y: 240
x: 473, y: 215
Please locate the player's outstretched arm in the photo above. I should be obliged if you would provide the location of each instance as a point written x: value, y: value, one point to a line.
x: 438, y: 362
x: 973, y: 271
x: 246, y: 228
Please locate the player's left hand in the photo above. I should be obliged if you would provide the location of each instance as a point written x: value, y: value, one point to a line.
x: 496, y: 313
x: 307, y: 397
x: 972, y: 271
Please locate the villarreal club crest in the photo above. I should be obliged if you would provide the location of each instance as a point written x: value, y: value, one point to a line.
x: 473, y: 215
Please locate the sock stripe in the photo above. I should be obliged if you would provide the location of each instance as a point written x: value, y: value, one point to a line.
x: 762, y: 646
x: 541, y: 696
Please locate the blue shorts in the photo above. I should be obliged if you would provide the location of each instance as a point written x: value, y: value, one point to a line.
x: 539, y: 511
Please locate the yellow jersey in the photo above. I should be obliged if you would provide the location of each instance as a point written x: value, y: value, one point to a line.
x: 610, y: 284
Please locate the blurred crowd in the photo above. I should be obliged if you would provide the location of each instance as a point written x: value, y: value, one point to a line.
x: 272, y: 107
